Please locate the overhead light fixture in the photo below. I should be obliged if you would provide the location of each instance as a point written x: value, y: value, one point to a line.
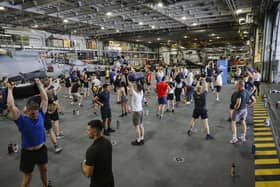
x: 65, y: 21
x: 185, y: 36
x: 158, y: 38
x: 149, y: 42
x: 35, y: 26
x: 213, y: 34
x: 117, y: 30
x: 245, y: 32
x: 2, y: 8
x: 184, y: 18
x: 195, y: 39
x: 140, y: 23
x: 102, y: 28
x: 239, y: 11
x: 74, y: 31
x: 218, y: 37
x: 194, y: 24
x: 160, y: 4
x: 210, y: 40
x: 153, y: 27
x: 137, y: 40
x: 109, y: 14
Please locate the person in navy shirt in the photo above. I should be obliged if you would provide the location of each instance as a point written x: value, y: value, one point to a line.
x: 30, y: 123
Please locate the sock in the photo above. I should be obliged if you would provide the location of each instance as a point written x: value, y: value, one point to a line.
x: 138, y: 140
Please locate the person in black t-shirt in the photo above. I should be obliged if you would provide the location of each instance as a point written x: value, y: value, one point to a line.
x: 200, y: 107
x: 98, y: 163
x: 75, y: 91
x: 209, y: 74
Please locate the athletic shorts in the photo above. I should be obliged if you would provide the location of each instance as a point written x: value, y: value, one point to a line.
x: 239, y: 115
x: 218, y: 88
x: 231, y: 107
x: 28, y: 159
x: 209, y: 79
x: 86, y: 85
x: 124, y: 99
x: 170, y: 97
x: 67, y: 85
x: 162, y: 100
x: 105, y: 113
x: 137, y: 118
x: 48, y: 121
x: 203, y: 113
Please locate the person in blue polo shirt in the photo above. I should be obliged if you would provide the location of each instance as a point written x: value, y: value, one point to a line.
x: 30, y: 123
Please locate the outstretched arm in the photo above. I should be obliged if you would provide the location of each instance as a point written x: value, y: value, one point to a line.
x: 43, y: 95
x: 14, y: 111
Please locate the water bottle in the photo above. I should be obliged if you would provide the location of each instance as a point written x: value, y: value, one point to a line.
x: 253, y: 150
x: 267, y: 122
x: 118, y: 124
x: 265, y: 102
x: 233, y: 170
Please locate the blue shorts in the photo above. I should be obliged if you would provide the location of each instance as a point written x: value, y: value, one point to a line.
x: 106, y: 113
x: 162, y: 100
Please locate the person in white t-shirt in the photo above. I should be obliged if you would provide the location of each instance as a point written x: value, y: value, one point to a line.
x: 137, y: 112
x: 219, y: 84
x: 257, y: 81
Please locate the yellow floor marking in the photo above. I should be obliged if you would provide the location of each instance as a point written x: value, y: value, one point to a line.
x: 274, y: 152
x: 259, y: 145
x: 267, y: 161
x: 263, y: 133
x: 274, y: 171
x: 267, y: 184
x: 264, y: 139
x: 261, y: 128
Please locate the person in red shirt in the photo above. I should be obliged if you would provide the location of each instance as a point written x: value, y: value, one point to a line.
x: 162, y: 87
x: 149, y: 80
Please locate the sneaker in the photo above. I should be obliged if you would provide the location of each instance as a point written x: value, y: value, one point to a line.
x: 242, y: 138
x: 189, y: 132
x: 233, y: 140
x: 209, y: 137
x: 172, y: 110
x: 142, y: 142
x: 122, y: 115
x: 106, y: 133
x: 95, y: 113
x: 167, y: 110
x: 59, y: 136
x: 135, y: 142
x: 217, y: 100
x: 57, y: 149
x: 111, y: 130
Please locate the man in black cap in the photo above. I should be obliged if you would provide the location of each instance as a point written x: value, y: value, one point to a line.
x: 98, y: 163
x: 31, y: 126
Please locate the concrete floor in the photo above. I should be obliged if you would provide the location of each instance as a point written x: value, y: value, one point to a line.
x: 206, y: 163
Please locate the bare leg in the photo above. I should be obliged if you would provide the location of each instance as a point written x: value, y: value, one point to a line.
x: 109, y: 122
x: 44, y: 174
x: 138, y: 133
x: 142, y: 131
x: 206, y: 126
x: 56, y: 127
x: 233, y: 129
x: 26, y: 179
x: 230, y: 112
x: 243, y: 127
x: 52, y: 136
x: 192, y: 123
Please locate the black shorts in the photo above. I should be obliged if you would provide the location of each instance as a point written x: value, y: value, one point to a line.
x: 67, y: 85
x: 106, y: 113
x: 231, y: 107
x: 86, y: 85
x: 218, y: 88
x: 170, y: 97
x: 203, y: 113
x: 49, y: 118
x: 209, y: 79
x: 28, y: 159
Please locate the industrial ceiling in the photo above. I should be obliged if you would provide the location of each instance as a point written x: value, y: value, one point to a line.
x: 140, y: 20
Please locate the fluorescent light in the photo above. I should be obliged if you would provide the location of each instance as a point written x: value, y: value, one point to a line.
x: 153, y: 27
x: 195, y: 39
x: 137, y: 40
x: 238, y: 11
x: 149, y: 42
x: 158, y: 38
x: 2, y: 8
x: 160, y: 4
x: 117, y: 30
x: 102, y: 28
x: 194, y: 24
x: 109, y: 14
x: 218, y: 37
x: 140, y: 23
x: 184, y: 18
x: 35, y: 26
x: 245, y: 32
x: 185, y: 36
x: 65, y: 21
x: 213, y: 34
x: 210, y: 40
x: 74, y: 31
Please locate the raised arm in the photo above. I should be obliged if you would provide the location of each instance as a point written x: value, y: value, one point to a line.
x: 205, y: 85
x: 43, y: 95
x: 14, y: 111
